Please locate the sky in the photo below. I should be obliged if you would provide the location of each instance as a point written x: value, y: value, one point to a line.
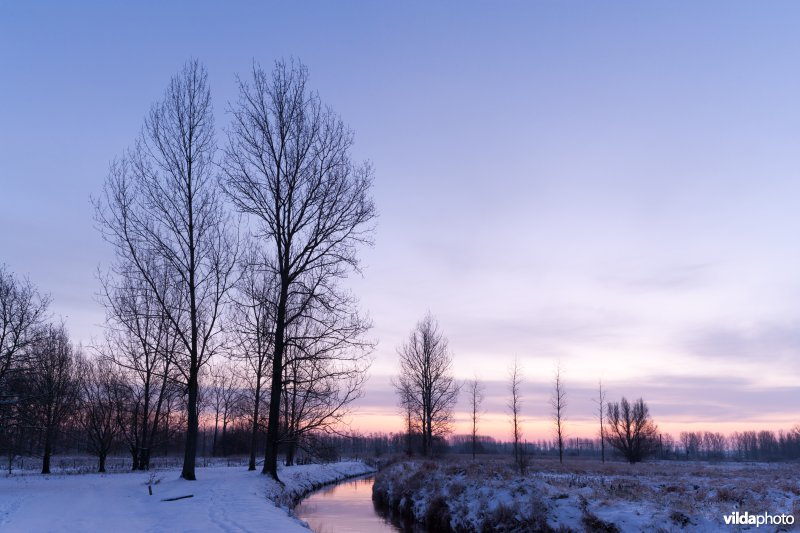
x: 608, y: 186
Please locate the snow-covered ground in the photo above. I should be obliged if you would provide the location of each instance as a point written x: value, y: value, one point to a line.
x: 224, y: 499
x: 587, y: 495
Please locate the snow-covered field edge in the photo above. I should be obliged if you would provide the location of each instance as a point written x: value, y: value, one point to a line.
x: 465, y: 496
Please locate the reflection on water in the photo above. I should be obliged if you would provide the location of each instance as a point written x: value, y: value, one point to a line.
x: 346, y: 507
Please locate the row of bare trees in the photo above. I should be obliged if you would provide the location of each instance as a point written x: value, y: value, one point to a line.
x: 428, y: 392
x: 627, y: 427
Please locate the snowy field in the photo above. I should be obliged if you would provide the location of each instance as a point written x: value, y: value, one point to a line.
x: 588, y: 495
x: 223, y: 499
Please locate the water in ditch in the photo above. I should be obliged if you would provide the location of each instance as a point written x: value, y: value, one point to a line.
x: 344, y: 508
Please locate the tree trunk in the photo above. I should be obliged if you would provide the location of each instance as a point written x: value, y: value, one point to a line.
x: 408, y: 433
x: 150, y: 439
x: 602, y: 446
x: 48, y: 450
x: 214, y: 440
x: 144, y: 452
x: 291, y: 448
x: 429, y: 435
x: 134, y: 458
x: 101, y: 467
x: 271, y: 454
x: 254, y: 435
x: 144, y: 459
x: 224, y: 432
x: 133, y: 440
x: 190, y: 453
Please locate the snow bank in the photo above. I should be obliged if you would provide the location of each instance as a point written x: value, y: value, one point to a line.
x: 301, y: 480
x: 223, y: 499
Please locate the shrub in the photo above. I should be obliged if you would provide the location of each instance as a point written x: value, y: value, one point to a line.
x: 631, y: 430
x: 592, y: 522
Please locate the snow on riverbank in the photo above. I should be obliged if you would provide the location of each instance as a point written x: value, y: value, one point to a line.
x: 224, y: 499
x: 584, y: 495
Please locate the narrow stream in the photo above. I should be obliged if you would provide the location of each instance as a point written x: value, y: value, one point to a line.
x: 344, y: 508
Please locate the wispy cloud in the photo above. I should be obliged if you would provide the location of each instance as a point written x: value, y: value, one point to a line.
x: 771, y: 343
x: 682, y: 277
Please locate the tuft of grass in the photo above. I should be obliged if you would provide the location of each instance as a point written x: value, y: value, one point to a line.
x: 728, y: 494
x: 680, y: 518
x: 508, y: 518
x: 592, y: 522
x: 456, y: 489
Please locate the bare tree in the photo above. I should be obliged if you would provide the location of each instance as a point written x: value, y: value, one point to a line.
x: 601, y: 414
x: 22, y: 309
x: 714, y: 445
x: 426, y: 380
x: 225, y: 398
x: 515, y: 408
x: 558, y: 402
x: 142, y: 342
x: 101, y: 406
x: 162, y: 211
x: 288, y: 165
x: 252, y: 320
x: 691, y: 442
x: 54, y: 385
x: 16, y: 426
x: 326, y: 366
x: 476, y: 397
x: 631, y: 430
x: 403, y: 387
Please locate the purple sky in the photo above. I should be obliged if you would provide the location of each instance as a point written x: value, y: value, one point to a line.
x: 609, y: 185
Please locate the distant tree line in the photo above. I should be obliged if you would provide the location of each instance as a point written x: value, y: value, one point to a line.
x: 778, y: 446
x: 764, y: 445
x: 386, y: 445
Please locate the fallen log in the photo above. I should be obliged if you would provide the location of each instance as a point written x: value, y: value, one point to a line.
x: 177, y: 498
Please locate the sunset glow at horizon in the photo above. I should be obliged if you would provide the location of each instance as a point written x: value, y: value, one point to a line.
x: 497, y: 426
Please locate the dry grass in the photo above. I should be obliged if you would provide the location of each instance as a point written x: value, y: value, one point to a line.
x: 589, y: 494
